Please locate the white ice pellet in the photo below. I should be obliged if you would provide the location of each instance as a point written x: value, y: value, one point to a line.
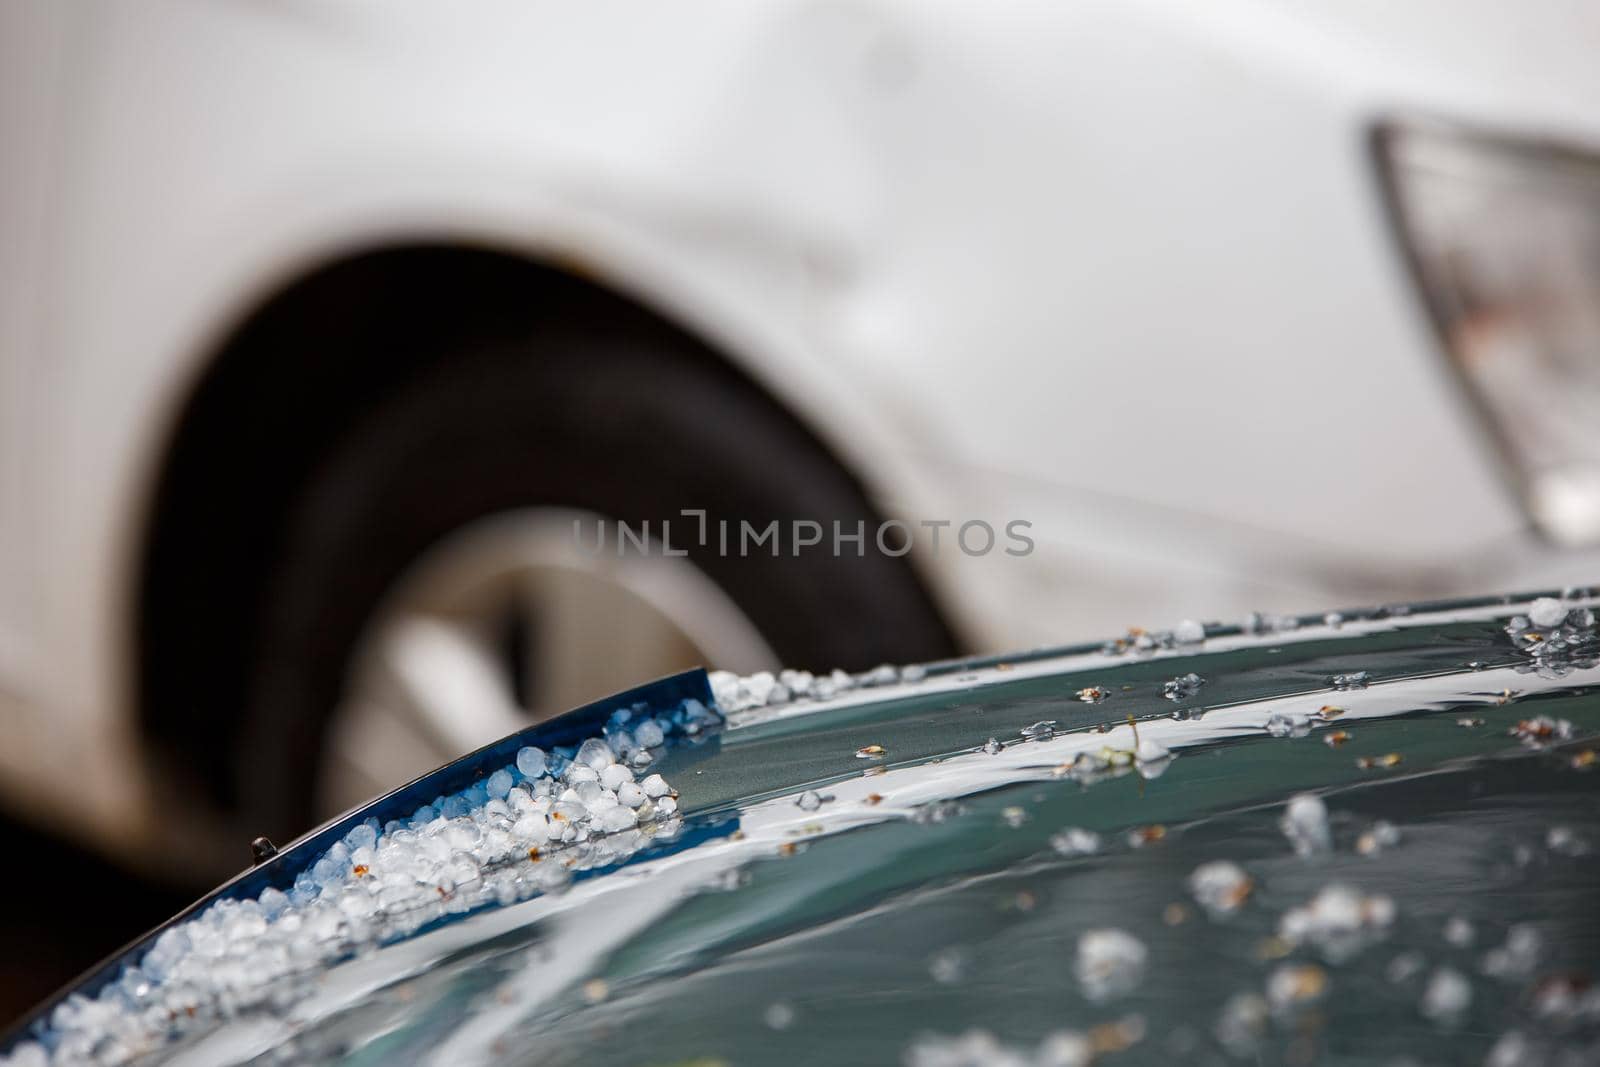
x: 1381, y: 835
x: 1292, y: 986
x: 1182, y: 687
x: 1152, y: 751
x: 655, y: 786
x: 1447, y: 996
x: 596, y: 754
x: 980, y: 1048
x: 882, y: 674
x: 1404, y: 967
x: 1242, y: 1024
x: 532, y: 827
x: 531, y: 761
x: 1518, y: 957
x: 1305, y: 824
x: 1339, y: 922
x: 649, y: 734
x: 613, y: 776
x: 1109, y: 963
x: 1074, y: 841
x: 1547, y: 612
x: 1566, y: 841
x: 629, y: 795
x: 616, y: 818
x: 29, y: 1054
x: 1220, y: 887
x: 1513, y: 1049
x: 1288, y: 724
x: 1189, y: 632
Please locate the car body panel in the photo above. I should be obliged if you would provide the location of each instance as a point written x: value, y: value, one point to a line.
x: 951, y: 240
x: 838, y: 821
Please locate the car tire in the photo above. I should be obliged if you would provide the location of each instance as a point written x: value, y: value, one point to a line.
x: 596, y: 417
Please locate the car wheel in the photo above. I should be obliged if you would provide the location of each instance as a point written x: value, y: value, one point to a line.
x: 430, y: 592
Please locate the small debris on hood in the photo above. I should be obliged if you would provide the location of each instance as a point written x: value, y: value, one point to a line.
x: 1330, y: 711
x: 1542, y: 731
x: 870, y: 752
x: 1566, y: 999
x: 1014, y: 816
x: 1582, y: 761
x: 1379, y: 836
x: 1140, y: 836
x: 1294, y: 985
x: 1092, y: 694
x: 1336, y: 738
x: 1383, y: 762
x: 1470, y: 724
x: 1118, y: 1036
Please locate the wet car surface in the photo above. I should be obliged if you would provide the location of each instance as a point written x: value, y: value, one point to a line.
x: 1365, y: 838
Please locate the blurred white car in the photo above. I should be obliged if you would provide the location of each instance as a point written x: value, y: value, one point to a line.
x: 320, y: 324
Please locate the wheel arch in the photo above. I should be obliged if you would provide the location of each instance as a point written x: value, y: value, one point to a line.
x: 226, y: 468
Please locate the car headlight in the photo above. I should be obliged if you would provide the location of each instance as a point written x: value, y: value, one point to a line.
x: 1504, y: 239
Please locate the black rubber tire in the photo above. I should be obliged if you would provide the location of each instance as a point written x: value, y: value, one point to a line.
x: 623, y: 423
